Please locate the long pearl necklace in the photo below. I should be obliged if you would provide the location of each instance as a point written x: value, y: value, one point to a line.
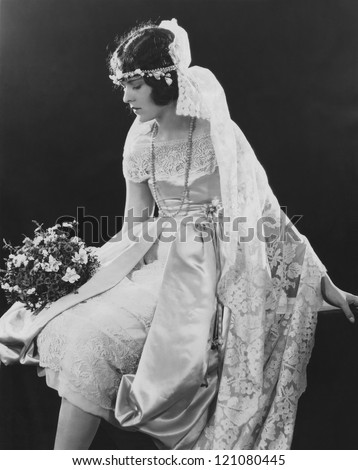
x: 163, y: 211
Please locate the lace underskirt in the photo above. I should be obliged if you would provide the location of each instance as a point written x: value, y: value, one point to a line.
x: 86, y: 350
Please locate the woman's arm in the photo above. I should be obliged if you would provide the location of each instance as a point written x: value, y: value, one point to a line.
x: 139, y: 204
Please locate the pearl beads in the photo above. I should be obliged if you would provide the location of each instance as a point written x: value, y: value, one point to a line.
x: 185, y: 194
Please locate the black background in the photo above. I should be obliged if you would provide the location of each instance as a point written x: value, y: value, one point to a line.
x: 290, y: 71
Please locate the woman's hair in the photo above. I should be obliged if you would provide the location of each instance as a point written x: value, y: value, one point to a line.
x: 146, y: 47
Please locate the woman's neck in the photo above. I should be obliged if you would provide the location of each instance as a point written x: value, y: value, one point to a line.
x: 171, y: 126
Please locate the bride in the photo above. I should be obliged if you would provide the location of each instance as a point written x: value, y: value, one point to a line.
x: 198, y: 327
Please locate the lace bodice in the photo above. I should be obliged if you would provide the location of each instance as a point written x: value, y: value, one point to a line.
x: 170, y: 160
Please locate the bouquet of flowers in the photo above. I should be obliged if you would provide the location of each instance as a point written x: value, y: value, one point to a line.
x: 47, y: 267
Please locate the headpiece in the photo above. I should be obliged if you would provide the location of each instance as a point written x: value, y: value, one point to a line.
x: 176, y: 48
x: 159, y: 73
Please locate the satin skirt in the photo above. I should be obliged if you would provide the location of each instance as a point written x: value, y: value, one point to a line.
x: 134, y: 346
x: 86, y: 350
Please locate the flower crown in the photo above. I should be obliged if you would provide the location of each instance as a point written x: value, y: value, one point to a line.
x: 163, y: 72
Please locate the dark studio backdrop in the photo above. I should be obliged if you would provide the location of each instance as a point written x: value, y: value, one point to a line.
x: 290, y: 71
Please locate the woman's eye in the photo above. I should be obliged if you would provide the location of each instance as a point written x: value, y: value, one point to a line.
x: 137, y: 87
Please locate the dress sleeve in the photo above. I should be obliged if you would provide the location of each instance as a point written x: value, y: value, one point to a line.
x: 135, y: 167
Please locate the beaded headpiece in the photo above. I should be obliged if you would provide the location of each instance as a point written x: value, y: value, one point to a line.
x: 163, y: 72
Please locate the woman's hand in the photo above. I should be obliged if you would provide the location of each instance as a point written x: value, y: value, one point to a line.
x: 338, y: 298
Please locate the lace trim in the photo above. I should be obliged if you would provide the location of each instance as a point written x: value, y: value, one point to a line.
x: 94, y: 365
x: 90, y: 346
x: 171, y: 157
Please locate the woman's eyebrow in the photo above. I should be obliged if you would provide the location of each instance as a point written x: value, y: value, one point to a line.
x: 131, y: 80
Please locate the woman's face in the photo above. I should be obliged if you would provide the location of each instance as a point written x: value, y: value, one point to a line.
x: 138, y: 95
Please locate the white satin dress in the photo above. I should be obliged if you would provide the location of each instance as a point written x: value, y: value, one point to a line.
x: 87, y: 349
x: 138, y: 344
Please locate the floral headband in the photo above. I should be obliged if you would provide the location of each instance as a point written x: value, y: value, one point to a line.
x: 163, y: 72
x: 179, y: 52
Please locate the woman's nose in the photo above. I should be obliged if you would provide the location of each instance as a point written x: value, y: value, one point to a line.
x: 127, y: 96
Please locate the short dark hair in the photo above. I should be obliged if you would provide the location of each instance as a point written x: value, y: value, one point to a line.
x: 146, y: 47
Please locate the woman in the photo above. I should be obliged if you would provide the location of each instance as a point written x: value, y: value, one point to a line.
x: 199, y: 325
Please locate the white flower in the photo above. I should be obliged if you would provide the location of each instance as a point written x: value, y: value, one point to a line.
x: 51, y: 232
x: 75, y: 239
x: 66, y: 224
x: 71, y: 276
x: 38, y: 240
x: 15, y: 288
x: 80, y: 257
x: 30, y: 291
x: 6, y: 286
x: 51, y: 237
x: 20, y: 259
x: 52, y: 265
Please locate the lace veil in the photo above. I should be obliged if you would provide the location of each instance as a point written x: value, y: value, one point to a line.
x: 269, y: 286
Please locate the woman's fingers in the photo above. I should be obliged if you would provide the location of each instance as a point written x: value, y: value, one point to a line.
x: 338, y: 298
x: 348, y: 312
x: 352, y: 300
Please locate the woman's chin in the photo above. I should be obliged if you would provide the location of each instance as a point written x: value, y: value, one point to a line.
x: 144, y: 118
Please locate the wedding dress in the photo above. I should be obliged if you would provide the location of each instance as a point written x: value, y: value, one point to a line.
x: 137, y: 345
